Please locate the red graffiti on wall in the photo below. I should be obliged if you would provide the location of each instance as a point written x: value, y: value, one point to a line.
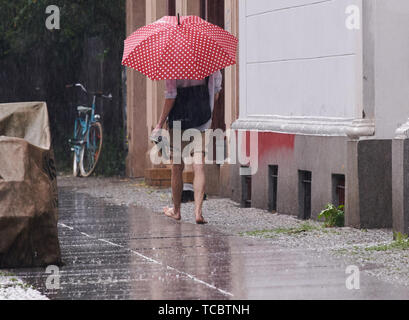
x: 256, y: 146
x: 271, y: 141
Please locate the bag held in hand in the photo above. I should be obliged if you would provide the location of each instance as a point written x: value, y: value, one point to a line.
x: 192, y: 107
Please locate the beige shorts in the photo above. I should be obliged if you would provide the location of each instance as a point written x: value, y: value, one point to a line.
x: 196, y: 146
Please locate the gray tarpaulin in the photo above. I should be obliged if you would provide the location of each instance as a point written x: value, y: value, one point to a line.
x: 28, y: 188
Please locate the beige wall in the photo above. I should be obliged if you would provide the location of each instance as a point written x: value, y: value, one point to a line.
x: 231, y: 73
x: 155, y: 9
x: 231, y: 22
x: 136, y: 99
x: 188, y: 7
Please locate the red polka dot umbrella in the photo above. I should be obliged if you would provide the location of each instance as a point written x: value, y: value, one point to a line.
x: 185, y: 48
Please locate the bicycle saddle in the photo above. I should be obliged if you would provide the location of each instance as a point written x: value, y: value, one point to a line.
x: 84, y: 109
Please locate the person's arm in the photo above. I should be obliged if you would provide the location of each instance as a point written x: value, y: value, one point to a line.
x: 170, y: 97
x: 217, y: 89
x: 218, y: 79
x: 169, y: 103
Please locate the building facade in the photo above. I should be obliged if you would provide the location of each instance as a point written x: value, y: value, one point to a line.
x: 322, y: 85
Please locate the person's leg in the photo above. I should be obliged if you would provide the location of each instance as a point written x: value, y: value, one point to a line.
x: 199, y: 185
x: 176, y: 180
x: 177, y: 189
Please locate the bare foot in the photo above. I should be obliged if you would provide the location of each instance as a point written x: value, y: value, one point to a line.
x: 171, y: 214
x: 201, y: 220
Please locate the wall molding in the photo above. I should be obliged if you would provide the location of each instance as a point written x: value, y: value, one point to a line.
x: 361, y: 128
x: 296, y: 125
x: 403, y: 131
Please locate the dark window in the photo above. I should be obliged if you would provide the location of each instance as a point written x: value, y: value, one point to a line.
x: 338, y: 189
x: 272, y: 188
x: 246, y: 191
x: 304, y: 194
x: 203, y: 9
x: 171, y: 7
x: 215, y: 12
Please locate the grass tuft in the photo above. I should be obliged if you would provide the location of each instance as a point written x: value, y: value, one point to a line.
x: 269, y: 234
x: 401, y: 242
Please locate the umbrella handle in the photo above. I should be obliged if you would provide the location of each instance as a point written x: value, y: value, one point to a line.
x: 178, y: 19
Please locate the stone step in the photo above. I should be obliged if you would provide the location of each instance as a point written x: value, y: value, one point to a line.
x: 161, y: 177
x: 158, y: 177
x: 158, y: 174
x: 188, y: 177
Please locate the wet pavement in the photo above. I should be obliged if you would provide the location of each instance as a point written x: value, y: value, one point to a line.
x: 113, y: 252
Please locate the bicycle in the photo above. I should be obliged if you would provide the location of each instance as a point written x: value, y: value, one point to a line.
x: 88, y: 136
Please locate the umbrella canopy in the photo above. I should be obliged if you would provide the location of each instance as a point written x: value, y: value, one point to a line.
x: 185, y: 48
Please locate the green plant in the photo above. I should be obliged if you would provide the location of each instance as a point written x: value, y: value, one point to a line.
x: 401, y: 242
x: 333, y: 216
x: 303, y: 228
x: 266, y: 234
x: 400, y: 237
x: 269, y: 234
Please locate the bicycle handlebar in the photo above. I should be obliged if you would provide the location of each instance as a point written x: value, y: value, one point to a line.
x: 97, y: 94
x: 101, y: 95
x: 77, y: 85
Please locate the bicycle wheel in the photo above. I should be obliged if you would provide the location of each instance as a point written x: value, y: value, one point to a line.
x: 75, y: 166
x: 75, y: 158
x: 92, y: 150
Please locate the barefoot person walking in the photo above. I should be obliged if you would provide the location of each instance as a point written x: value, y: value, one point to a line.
x: 175, y: 88
x: 183, y: 47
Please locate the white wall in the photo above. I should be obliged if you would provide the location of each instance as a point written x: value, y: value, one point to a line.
x: 391, y: 66
x: 298, y: 61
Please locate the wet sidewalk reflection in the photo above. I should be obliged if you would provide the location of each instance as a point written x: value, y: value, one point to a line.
x: 113, y: 252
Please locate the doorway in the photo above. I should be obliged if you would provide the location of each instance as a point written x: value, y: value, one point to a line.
x: 213, y: 12
x: 171, y: 8
x: 304, y: 194
x: 272, y: 188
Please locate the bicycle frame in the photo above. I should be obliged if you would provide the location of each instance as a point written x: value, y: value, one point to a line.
x: 87, y: 143
x: 85, y: 125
